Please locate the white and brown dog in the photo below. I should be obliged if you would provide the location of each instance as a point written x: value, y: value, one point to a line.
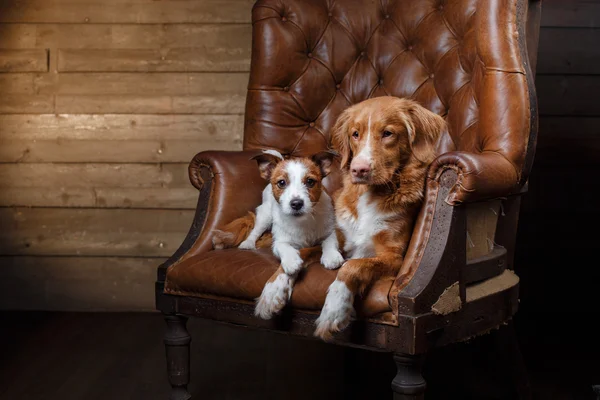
x: 386, y: 145
x: 300, y: 215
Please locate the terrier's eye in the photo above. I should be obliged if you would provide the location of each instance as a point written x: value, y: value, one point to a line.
x: 310, y: 182
x: 355, y: 135
x: 281, y: 184
x: 387, y: 134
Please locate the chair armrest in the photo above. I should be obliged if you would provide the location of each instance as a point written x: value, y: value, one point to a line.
x: 230, y: 185
x: 436, y: 252
x: 481, y: 176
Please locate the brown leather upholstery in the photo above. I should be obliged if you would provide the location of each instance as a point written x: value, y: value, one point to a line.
x: 461, y: 59
x: 464, y: 59
x: 242, y: 274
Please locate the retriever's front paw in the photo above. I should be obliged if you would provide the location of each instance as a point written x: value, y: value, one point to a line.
x: 247, y: 245
x: 332, y: 259
x: 274, y: 297
x: 337, y: 311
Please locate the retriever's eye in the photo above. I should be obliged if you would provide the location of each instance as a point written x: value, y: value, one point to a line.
x: 355, y: 135
x: 281, y: 184
x: 310, y: 182
x: 387, y: 134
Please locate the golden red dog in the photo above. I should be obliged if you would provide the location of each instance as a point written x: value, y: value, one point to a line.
x: 386, y: 145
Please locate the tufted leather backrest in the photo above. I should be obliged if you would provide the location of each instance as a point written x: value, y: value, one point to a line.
x: 463, y: 59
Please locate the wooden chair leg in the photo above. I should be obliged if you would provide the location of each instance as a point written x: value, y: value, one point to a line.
x: 177, y: 344
x: 408, y: 384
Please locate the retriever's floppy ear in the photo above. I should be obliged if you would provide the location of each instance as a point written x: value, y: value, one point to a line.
x: 267, y: 161
x: 340, y: 140
x: 424, y: 130
x: 324, y: 159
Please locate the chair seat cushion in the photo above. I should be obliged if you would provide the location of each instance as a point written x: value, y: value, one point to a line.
x: 241, y: 275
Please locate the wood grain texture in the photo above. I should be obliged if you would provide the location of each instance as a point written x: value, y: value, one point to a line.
x: 571, y: 13
x: 131, y: 11
x: 92, y: 232
x: 213, y: 37
x: 116, y: 197
x: 151, y: 84
x: 24, y: 60
x: 77, y: 283
x: 96, y: 185
x: 115, y: 138
x: 191, y: 59
x: 568, y: 95
x: 26, y: 103
x: 569, y: 51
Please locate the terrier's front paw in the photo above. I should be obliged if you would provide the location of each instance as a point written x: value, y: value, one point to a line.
x: 292, y: 264
x: 332, y: 259
x: 247, y: 245
x: 337, y: 311
x: 274, y: 297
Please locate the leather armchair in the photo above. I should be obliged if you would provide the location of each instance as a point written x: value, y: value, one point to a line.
x: 469, y: 61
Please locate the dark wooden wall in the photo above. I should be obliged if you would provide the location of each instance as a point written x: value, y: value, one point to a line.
x: 103, y: 104
x: 558, y: 233
x: 557, y: 242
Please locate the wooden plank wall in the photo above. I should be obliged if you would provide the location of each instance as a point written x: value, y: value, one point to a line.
x: 104, y: 102
x: 558, y: 230
x: 103, y: 105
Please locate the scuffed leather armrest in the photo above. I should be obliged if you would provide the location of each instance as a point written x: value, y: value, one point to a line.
x: 230, y: 185
x: 481, y: 176
x: 437, y: 249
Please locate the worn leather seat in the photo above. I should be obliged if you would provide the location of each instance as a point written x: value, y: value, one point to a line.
x: 241, y: 275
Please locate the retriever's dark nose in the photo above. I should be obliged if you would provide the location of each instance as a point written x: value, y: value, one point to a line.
x: 297, y: 204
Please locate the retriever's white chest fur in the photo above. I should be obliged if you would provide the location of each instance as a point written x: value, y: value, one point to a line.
x: 360, y: 230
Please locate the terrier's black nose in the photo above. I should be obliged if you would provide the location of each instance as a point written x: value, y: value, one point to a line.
x: 297, y: 204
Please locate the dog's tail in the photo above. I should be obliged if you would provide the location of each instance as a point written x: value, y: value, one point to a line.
x: 235, y: 232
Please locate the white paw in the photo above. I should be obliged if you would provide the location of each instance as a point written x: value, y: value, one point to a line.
x: 247, y: 245
x: 337, y: 311
x: 332, y: 259
x: 274, y: 297
x: 291, y: 264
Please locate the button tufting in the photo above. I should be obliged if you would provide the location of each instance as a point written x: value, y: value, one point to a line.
x: 431, y: 76
x: 283, y: 19
x: 287, y: 88
x: 309, y: 55
x: 338, y: 86
x: 330, y: 14
x: 410, y: 47
x: 311, y: 124
x: 387, y: 16
x: 362, y: 53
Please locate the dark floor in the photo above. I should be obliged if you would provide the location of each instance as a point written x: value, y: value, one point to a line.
x: 51, y: 356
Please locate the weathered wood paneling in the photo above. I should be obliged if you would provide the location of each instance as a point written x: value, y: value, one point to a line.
x: 77, y: 283
x: 23, y: 60
x: 103, y: 105
x: 115, y: 138
x: 92, y: 232
x: 121, y: 11
x: 169, y: 60
x: 96, y: 185
x: 115, y: 197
